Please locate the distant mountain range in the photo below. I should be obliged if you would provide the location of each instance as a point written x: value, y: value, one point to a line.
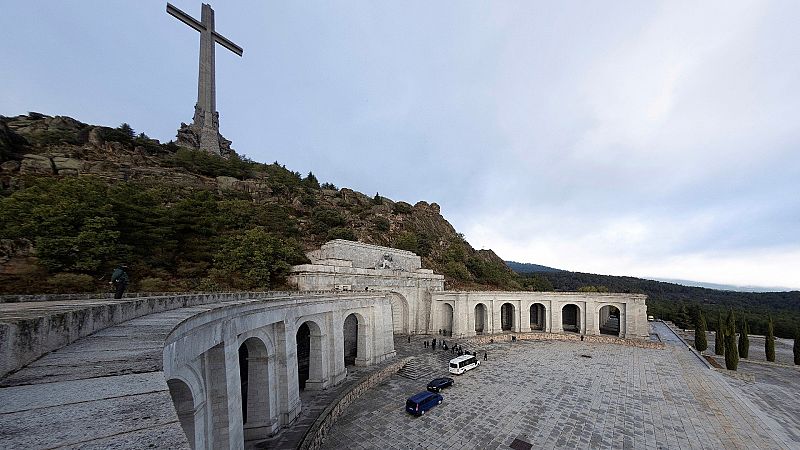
x: 530, y: 268
x: 523, y: 268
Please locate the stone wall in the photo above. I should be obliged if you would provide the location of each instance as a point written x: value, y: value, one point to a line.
x: 315, y: 436
x: 366, y: 256
x: 29, y: 335
x: 565, y: 337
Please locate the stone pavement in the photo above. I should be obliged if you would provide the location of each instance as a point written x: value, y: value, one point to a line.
x: 556, y: 394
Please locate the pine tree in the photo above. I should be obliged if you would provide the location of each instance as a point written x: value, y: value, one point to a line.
x: 700, y: 341
x: 769, y: 342
x: 796, y: 347
x: 744, y: 340
x: 731, y: 352
x: 719, y: 337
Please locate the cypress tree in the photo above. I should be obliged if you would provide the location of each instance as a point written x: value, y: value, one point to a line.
x: 796, y: 347
x: 731, y: 352
x: 719, y: 336
x: 769, y: 342
x: 744, y: 340
x: 700, y: 341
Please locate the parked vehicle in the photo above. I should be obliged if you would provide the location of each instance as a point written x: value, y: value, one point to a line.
x: 440, y: 383
x: 463, y: 363
x: 419, y: 403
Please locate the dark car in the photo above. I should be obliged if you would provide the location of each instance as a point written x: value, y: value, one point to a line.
x: 419, y: 403
x: 439, y: 384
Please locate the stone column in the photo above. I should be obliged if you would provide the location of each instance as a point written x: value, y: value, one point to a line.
x: 234, y: 387
x: 337, y: 352
x: 525, y: 317
x: 288, y: 382
x: 555, y: 324
x: 366, y: 339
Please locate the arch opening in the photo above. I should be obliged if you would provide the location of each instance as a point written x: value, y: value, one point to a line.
x: 507, y: 317
x: 480, y: 318
x: 255, y: 387
x: 350, y: 340
x: 446, y: 313
x: 184, y: 404
x: 309, y: 354
x: 538, y: 321
x: 570, y: 318
x: 609, y: 320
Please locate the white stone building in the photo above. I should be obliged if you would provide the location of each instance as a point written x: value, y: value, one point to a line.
x: 421, y: 305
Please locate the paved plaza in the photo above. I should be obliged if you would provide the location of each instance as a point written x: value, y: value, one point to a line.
x: 555, y: 394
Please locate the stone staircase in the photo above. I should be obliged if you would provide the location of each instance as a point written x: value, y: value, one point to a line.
x: 429, y: 365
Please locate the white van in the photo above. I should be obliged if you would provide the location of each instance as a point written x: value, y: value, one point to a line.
x: 463, y: 363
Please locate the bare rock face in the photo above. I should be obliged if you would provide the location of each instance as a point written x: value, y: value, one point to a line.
x: 36, y: 164
x: 96, y: 137
x: 9, y: 166
x: 189, y: 137
x: 66, y: 166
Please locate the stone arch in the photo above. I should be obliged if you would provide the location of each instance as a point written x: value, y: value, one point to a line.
x: 399, y: 313
x: 609, y: 320
x: 310, y: 358
x: 446, y: 317
x: 538, y: 317
x: 571, y: 317
x: 480, y: 318
x: 183, y: 400
x: 256, y: 387
x: 355, y: 331
x: 507, y: 317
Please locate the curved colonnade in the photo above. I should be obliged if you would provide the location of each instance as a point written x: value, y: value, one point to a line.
x: 475, y: 313
x: 236, y: 375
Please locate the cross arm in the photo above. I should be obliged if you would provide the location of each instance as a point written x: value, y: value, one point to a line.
x: 223, y: 41
x: 185, y: 18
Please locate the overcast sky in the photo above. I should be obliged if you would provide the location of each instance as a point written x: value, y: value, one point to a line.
x: 643, y: 138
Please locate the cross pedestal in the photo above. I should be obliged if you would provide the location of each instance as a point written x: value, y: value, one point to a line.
x: 203, y: 133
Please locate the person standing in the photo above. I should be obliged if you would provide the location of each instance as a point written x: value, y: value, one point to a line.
x: 120, y: 280
x: 484, y: 356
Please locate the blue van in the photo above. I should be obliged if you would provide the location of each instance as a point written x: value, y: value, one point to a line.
x: 419, y: 403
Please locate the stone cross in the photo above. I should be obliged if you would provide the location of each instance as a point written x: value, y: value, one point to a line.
x: 204, y: 131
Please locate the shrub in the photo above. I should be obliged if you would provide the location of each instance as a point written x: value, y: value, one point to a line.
x: 406, y: 241
x: 329, y: 186
x: 325, y: 219
x: 744, y: 341
x: 342, y: 233
x: 769, y: 342
x: 255, y: 259
x: 731, y: 352
x: 700, y: 341
x: 155, y: 284
x: 457, y: 270
x: 401, y: 208
x: 377, y: 200
x: 381, y: 223
x: 69, y: 283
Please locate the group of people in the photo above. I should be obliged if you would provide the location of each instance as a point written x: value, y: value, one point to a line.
x: 454, y: 349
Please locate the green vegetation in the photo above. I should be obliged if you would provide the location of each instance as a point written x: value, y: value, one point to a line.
x: 769, y: 341
x: 719, y: 337
x: 731, y: 352
x: 700, y: 341
x: 744, y: 341
x: 668, y: 300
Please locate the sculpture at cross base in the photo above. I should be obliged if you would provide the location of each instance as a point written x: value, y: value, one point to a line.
x: 203, y: 133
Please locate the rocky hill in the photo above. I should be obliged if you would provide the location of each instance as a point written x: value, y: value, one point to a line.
x: 76, y: 199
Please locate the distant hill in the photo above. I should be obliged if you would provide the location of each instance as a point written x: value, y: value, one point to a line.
x: 675, y: 302
x: 520, y: 268
x: 723, y: 287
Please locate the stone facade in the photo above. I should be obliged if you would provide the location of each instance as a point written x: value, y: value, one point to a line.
x: 353, y: 266
x: 420, y: 304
